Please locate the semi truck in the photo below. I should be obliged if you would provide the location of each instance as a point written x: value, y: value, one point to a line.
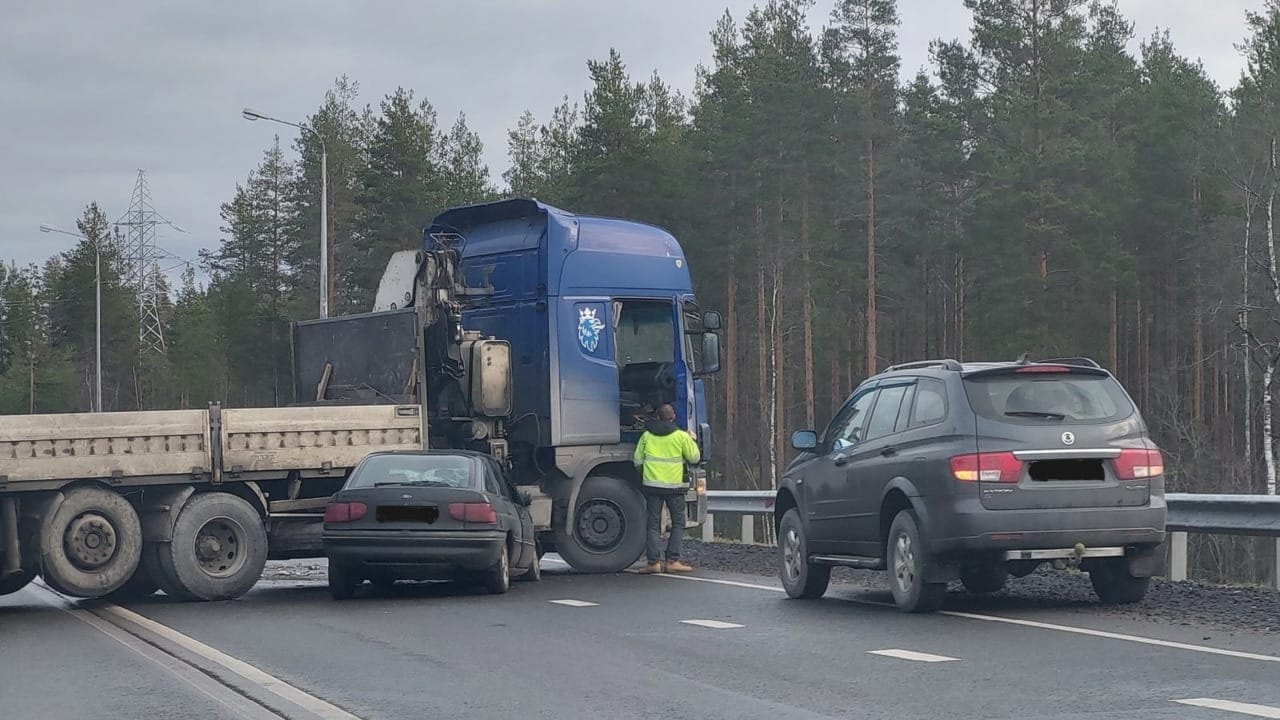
x: 543, y: 337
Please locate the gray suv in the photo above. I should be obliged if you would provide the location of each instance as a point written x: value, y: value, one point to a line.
x: 939, y: 471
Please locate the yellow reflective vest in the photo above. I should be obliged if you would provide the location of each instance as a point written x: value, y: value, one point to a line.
x: 662, y: 458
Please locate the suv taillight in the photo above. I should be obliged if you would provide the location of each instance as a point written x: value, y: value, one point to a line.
x: 1138, y: 464
x: 340, y: 512
x: 481, y: 512
x: 993, y: 467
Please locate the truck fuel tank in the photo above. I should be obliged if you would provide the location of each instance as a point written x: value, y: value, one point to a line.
x: 487, y: 382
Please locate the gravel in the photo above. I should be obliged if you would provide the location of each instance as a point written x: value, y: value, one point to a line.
x: 1229, y: 608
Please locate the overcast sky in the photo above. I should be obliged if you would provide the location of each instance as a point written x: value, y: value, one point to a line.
x: 95, y: 91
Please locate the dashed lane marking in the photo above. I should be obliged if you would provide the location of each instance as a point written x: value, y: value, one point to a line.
x: 573, y: 603
x: 1026, y: 623
x: 713, y: 624
x: 913, y: 655
x: 1262, y: 711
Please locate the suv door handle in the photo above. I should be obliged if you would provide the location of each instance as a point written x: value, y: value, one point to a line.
x: 889, y: 451
x: 840, y: 460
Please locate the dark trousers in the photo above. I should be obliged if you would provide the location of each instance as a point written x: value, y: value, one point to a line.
x: 654, y: 500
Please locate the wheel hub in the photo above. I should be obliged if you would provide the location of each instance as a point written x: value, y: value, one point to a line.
x: 90, y: 541
x: 791, y: 554
x: 601, y: 525
x: 217, y: 547
x: 904, y: 563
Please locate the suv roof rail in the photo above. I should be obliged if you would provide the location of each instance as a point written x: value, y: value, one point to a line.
x: 947, y: 363
x: 1086, y: 362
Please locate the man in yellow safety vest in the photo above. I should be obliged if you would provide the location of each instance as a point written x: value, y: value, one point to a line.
x: 661, y: 455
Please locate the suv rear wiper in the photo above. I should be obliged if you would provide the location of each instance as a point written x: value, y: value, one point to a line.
x: 439, y: 483
x: 1036, y: 414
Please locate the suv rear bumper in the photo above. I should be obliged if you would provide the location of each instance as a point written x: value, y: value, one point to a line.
x: 973, y: 528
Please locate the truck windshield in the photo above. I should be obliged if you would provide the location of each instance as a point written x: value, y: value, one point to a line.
x: 645, y: 333
x: 439, y: 470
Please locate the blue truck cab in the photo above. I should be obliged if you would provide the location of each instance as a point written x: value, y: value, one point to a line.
x: 603, y: 327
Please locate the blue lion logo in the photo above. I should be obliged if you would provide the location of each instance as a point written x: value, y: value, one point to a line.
x: 589, y: 327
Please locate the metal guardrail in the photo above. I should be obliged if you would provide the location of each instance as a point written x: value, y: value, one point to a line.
x: 1254, y: 515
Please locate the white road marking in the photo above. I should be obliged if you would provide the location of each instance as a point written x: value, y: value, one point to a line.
x: 275, y: 685
x: 233, y: 702
x: 713, y: 624
x: 913, y: 655
x: 1262, y: 711
x: 1117, y: 636
x: 1027, y: 623
x: 574, y: 603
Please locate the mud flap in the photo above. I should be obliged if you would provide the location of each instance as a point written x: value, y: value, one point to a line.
x: 1144, y: 561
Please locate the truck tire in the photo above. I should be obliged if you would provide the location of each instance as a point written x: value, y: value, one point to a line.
x: 140, y: 585
x: 219, y: 548
x: 907, y: 559
x: 162, y: 572
x: 13, y: 584
x: 1114, y: 584
x: 606, y: 534
x: 800, y: 578
x: 90, y: 543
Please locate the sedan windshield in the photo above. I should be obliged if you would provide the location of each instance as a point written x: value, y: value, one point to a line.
x: 431, y: 470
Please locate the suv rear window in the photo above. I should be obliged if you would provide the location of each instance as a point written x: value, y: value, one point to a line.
x: 1038, y: 397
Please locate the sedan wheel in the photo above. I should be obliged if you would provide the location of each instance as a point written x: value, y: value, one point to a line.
x: 498, y: 580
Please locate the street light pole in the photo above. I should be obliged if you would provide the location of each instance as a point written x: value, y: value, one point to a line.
x: 249, y: 114
x: 97, y: 291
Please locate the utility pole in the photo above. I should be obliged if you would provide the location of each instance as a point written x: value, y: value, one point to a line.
x: 97, y: 291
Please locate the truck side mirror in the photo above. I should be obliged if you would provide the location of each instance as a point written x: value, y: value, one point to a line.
x: 710, y: 354
x: 711, y: 320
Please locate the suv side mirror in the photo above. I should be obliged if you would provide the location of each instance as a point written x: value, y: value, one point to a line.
x: 804, y: 440
x: 526, y: 498
x: 711, y: 320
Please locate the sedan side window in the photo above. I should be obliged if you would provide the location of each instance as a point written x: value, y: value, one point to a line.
x: 491, y: 483
x: 849, y: 431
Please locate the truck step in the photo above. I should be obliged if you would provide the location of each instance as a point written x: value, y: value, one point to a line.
x: 853, y: 561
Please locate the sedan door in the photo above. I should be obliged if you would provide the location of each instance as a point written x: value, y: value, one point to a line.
x: 496, y: 487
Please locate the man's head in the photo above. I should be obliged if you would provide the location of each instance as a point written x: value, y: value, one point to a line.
x: 666, y: 413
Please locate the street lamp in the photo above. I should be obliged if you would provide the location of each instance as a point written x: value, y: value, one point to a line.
x: 97, y: 283
x: 324, y: 203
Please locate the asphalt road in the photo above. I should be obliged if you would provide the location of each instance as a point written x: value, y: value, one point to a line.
x: 625, y: 646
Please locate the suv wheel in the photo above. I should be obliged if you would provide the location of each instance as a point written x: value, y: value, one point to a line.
x: 800, y: 578
x: 1113, y: 583
x: 907, y: 560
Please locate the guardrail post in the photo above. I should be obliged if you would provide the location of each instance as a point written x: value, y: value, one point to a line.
x: 1275, y: 571
x: 749, y: 529
x: 1178, y: 556
x: 708, y: 529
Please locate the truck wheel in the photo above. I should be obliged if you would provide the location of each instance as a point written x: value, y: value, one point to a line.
x: 153, y: 554
x: 1113, y: 583
x: 606, y: 533
x: 982, y: 579
x: 90, y: 543
x: 908, y: 560
x: 219, y: 547
x: 800, y: 578
x: 139, y: 586
x: 498, y: 579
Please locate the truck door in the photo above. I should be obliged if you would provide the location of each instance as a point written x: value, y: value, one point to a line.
x: 585, y: 370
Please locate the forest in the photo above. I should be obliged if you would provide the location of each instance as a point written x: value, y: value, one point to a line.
x: 1038, y: 187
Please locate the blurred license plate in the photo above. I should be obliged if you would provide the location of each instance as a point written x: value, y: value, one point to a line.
x: 408, y: 513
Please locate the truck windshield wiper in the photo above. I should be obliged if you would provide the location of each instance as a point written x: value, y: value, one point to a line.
x: 1036, y: 414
